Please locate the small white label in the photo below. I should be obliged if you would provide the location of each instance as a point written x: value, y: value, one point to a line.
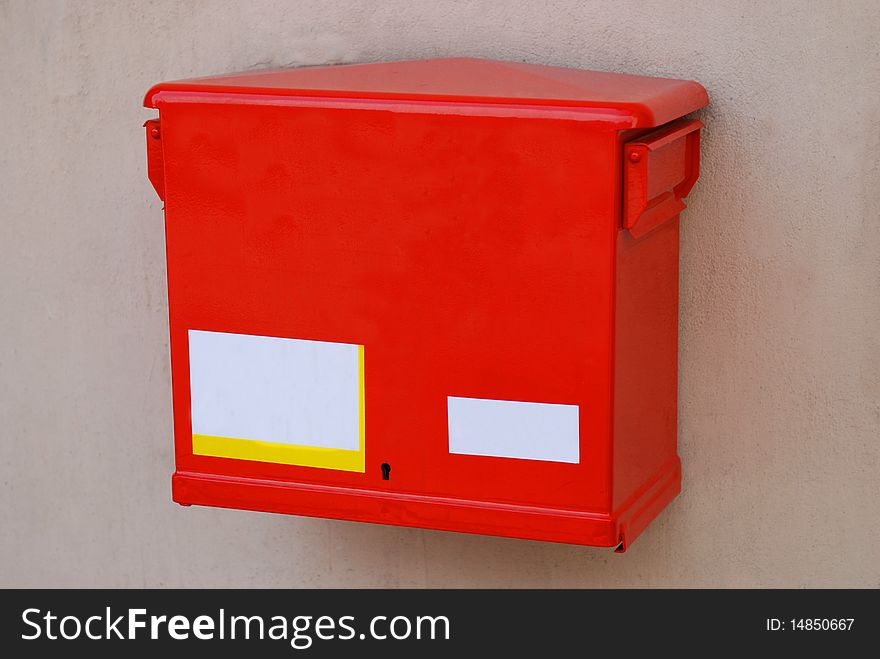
x: 514, y: 429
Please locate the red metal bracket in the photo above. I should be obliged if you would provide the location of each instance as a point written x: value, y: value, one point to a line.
x: 660, y: 169
x: 155, y: 161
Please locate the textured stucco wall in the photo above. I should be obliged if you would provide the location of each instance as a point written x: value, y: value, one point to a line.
x: 780, y: 310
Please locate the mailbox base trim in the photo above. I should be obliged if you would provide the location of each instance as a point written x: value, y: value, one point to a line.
x: 401, y: 509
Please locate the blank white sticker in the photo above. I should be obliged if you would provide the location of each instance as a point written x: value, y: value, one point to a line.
x: 287, y: 391
x: 513, y: 429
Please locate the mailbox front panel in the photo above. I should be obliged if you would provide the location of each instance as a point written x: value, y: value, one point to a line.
x: 466, y: 263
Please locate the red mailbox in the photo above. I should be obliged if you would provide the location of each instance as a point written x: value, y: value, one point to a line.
x: 437, y: 293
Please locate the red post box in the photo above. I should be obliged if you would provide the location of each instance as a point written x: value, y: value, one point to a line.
x: 437, y: 293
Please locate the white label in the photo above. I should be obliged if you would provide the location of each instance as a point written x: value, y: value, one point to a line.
x: 287, y: 391
x: 513, y: 429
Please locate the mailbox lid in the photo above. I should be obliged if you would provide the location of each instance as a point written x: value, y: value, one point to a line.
x: 630, y: 101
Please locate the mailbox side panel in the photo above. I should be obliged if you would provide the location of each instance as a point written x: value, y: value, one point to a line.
x: 647, y: 473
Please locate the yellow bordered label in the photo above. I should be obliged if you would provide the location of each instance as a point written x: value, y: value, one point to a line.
x: 268, y: 386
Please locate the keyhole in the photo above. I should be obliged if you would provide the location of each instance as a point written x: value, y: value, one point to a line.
x: 386, y: 471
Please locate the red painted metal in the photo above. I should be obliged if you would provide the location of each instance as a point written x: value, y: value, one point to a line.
x: 479, y: 228
x: 646, y: 102
x: 155, y: 162
x: 660, y: 170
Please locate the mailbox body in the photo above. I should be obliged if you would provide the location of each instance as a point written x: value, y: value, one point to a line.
x: 457, y: 269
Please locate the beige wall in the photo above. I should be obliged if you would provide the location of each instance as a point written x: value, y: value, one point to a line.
x: 780, y: 310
